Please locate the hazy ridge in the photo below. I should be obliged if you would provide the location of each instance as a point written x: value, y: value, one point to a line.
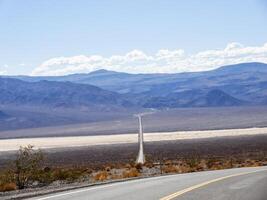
x: 103, y: 95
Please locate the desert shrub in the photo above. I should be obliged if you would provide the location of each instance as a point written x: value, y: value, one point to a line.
x: 128, y: 166
x: 101, y: 176
x: 69, y: 175
x: 74, y: 176
x: 116, y: 176
x: 133, y: 172
x: 60, y: 174
x: 168, y: 162
x: 44, y: 177
x: 5, y: 187
x: 192, y: 162
x: 228, y: 163
x: 217, y: 165
x: 139, y: 167
x: 170, y: 169
x: 7, y: 181
x: 107, y: 168
x: 202, y: 165
x: 47, y: 175
x: 27, y: 166
x: 211, y: 162
x: 149, y: 164
x: 184, y: 169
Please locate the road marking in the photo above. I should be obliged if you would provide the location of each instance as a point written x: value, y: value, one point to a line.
x: 115, y: 184
x: 181, y: 192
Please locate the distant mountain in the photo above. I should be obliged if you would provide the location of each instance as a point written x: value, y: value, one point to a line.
x: 245, y: 82
x: 241, y: 68
x: 194, y: 98
x: 58, y: 94
x: 216, y: 98
x: 27, y: 102
x: 114, y: 81
x: 3, y: 115
x: 138, y: 83
x: 50, y: 103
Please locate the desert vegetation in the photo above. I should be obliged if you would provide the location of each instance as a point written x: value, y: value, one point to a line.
x: 32, y: 168
x: 35, y: 175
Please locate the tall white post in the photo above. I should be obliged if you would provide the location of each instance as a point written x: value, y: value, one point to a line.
x: 141, y: 157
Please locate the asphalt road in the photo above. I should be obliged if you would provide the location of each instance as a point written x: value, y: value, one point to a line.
x: 231, y: 184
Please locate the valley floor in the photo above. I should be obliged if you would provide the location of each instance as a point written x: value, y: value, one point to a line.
x: 181, y: 119
x: 81, y: 141
x: 245, y: 147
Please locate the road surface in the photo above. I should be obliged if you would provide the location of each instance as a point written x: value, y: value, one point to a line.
x: 231, y: 184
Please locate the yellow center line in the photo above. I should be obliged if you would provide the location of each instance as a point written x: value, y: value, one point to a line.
x: 181, y: 192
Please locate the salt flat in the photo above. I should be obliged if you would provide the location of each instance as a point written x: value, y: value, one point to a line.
x: 79, y: 141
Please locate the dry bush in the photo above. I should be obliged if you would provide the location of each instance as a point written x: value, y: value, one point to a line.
x: 139, y: 167
x: 7, y: 187
x: 193, y: 163
x: 7, y: 181
x: 211, y: 162
x: 228, y: 164
x: 184, y: 169
x: 264, y: 163
x: 101, y: 176
x: 168, y: 162
x: 107, y: 169
x: 24, y: 170
x: 251, y: 163
x: 69, y: 175
x: 149, y: 165
x: 170, y: 169
x: 133, y: 172
x: 45, y: 178
x: 116, y: 176
x: 202, y: 165
x: 27, y: 165
x: 217, y: 165
x: 128, y: 166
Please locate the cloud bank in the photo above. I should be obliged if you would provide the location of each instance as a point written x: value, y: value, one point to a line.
x: 3, y: 69
x: 163, y: 61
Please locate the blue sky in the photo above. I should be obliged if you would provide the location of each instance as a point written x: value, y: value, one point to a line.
x: 79, y: 31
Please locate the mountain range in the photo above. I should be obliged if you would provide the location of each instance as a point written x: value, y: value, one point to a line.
x: 32, y: 101
x: 233, y: 85
x: 3, y: 115
x: 58, y: 94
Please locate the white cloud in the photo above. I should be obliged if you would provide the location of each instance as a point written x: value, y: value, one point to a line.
x: 3, y: 69
x: 3, y: 72
x: 5, y: 66
x: 165, y: 60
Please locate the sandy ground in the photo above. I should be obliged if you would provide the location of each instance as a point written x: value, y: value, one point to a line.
x: 80, y: 141
x: 181, y: 119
